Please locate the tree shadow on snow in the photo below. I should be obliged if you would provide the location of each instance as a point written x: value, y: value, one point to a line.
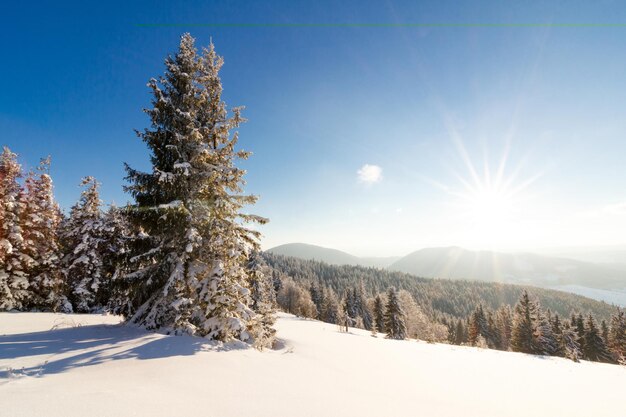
x: 62, y: 350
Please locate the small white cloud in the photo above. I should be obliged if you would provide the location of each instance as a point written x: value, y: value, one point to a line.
x: 370, y: 174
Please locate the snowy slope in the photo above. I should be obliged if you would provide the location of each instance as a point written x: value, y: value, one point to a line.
x: 102, y: 369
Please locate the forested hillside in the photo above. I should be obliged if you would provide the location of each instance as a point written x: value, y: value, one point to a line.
x: 438, y: 297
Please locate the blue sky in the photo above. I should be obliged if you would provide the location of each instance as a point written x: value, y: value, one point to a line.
x: 427, y: 106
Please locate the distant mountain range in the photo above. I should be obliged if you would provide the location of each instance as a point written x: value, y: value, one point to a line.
x: 594, y: 280
x: 330, y: 256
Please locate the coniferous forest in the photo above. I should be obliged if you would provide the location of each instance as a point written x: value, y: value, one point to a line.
x: 183, y: 256
x: 489, y: 315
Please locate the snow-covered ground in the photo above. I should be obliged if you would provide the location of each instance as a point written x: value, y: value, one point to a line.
x: 80, y: 365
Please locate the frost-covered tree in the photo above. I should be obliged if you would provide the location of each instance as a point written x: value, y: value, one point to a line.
x: 295, y: 300
x: 394, y: 316
x: 317, y: 295
x: 460, y: 333
x: 478, y: 326
x: 117, y: 235
x: 13, y: 278
x: 418, y: 325
x: 504, y: 324
x: 329, y: 311
x: 617, y: 336
x: 84, y: 239
x: 379, y: 314
x: 524, y: 325
x: 546, y: 342
x: 263, y: 301
x: 189, y: 273
x: 355, y: 306
x: 41, y: 218
x: 568, y: 344
x: 594, y: 348
x: 604, y: 329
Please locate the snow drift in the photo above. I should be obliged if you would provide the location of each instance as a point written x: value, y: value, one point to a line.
x: 77, y: 365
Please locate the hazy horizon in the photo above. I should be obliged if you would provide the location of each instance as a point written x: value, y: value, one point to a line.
x: 556, y: 251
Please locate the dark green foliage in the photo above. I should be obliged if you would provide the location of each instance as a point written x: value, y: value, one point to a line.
x: 524, y: 324
x: 355, y: 306
x: 546, y: 342
x: 568, y: 344
x: 604, y: 328
x: 594, y: 348
x: 460, y: 333
x: 379, y: 315
x: 394, y: 316
x: 478, y: 326
x: 504, y: 324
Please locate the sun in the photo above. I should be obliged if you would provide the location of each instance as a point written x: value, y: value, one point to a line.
x: 490, y: 209
x: 488, y: 204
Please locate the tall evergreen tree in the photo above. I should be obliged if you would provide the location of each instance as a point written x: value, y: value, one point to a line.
x: 546, y: 342
x: 580, y: 328
x: 317, y: 295
x: 84, y: 237
x: 41, y: 218
x: 557, y: 331
x: 117, y: 235
x: 263, y: 301
x: 594, y: 348
x: 568, y: 343
x: 191, y: 276
x: 379, y: 314
x: 13, y: 278
x: 604, y: 329
x: 461, y: 333
x: 522, y: 334
x: 394, y: 317
x: 504, y: 324
x: 617, y: 336
x: 478, y: 326
x: 329, y: 311
x: 361, y: 306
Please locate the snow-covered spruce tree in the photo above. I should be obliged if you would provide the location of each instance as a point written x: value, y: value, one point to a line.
x: 355, y: 306
x: 594, y: 348
x: 83, y: 237
x: 361, y: 306
x: 263, y: 299
x: 13, y: 279
x: 317, y: 296
x: 394, y: 316
x: 41, y: 218
x: 478, y: 326
x: 568, y: 341
x: 545, y: 340
x: 524, y: 325
x: 117, y: 235
x: 617, y: 336
x: 329, y: 311
x: 557, y: 331
x: 379, y: 314
x: 504, y: 324
x: 192, y: 276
